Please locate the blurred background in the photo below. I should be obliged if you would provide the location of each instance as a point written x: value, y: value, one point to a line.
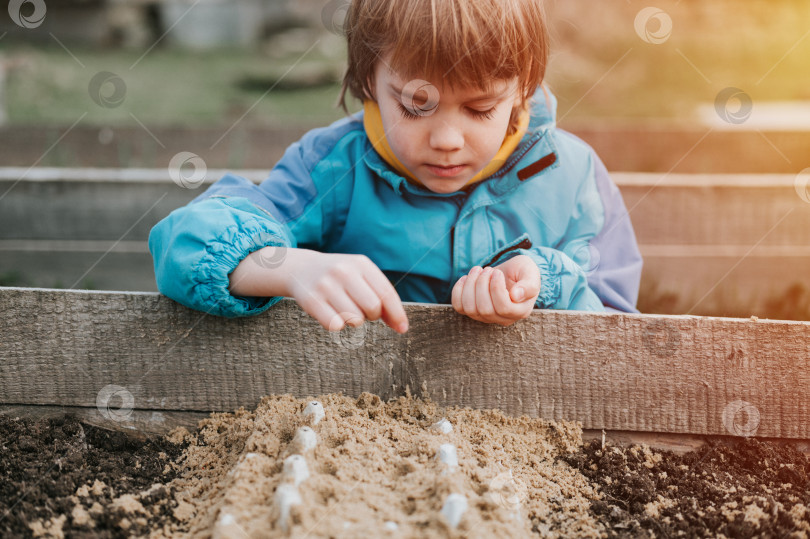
x: 700, y: 109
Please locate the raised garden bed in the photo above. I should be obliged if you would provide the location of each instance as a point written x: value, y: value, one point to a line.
x: 732, y: 390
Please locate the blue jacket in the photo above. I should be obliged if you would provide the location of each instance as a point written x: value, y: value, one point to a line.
x: 552, y: 200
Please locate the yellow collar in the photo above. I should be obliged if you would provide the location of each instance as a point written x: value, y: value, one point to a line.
x: 372, y: 121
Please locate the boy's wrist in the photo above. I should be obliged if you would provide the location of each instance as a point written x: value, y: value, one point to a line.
x: 268, y: 272
x: 291, y: 262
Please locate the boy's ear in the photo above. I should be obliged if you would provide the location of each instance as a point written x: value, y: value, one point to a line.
x: 370, y: 93
x: 520, y: 100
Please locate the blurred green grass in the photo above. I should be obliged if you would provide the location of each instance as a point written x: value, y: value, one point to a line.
x: 599, y: 69
x: 167, y: 87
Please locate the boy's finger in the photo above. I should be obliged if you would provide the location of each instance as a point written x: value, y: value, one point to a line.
x: 455, y: 296
x: 468, y: 293
x: 393, y: 313
x: 500, y: 296
x: 360, y: 291
x: 483, y: 299
x: 322, y: 312
x: 345, y: 308
x: 525, y: 290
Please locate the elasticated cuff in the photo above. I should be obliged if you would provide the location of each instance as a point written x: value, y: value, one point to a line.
x: 222, y: 256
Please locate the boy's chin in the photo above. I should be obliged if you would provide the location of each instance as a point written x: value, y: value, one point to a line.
x: 443, y: 186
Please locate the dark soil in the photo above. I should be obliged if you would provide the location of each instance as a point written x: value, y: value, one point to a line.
x: 44, y: 462
x: 738, y: 488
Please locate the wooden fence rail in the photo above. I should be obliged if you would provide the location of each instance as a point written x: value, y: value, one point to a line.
x: 127, y: 355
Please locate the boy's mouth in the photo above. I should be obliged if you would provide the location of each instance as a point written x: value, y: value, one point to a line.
x: 445, y: 171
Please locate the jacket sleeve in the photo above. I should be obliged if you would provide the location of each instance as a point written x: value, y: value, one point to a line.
x: 615, y: 258
x: 591, y: 270
x: 197, y: 246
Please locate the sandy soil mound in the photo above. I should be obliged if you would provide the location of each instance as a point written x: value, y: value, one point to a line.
x: 374, y: 469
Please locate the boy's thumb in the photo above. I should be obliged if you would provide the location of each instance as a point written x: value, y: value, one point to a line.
x: 524, y: 290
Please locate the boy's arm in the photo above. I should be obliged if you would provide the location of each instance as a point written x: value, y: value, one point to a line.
x: 234, y: 251
x: 196, y: 247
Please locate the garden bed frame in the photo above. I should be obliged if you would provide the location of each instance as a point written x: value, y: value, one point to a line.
x: 668, y: 381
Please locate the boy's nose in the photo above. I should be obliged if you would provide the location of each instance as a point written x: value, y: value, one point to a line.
x: 446, y: 138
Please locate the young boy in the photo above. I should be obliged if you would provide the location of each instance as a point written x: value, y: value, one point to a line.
x: 453, y: 186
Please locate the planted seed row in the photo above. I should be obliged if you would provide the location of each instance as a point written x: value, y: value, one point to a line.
x: 342, y: 467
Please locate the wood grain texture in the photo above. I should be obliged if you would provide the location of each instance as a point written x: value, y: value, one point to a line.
x: 677, y: 443
x: 645, y: 373
x: 136, y: 423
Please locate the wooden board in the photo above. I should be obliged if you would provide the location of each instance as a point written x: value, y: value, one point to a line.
x: 643, y: 373
x: 652, y: 145
x: 740, y: 210
x: 137, y: 423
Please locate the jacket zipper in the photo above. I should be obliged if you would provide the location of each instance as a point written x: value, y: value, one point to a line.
x: 525, y: 244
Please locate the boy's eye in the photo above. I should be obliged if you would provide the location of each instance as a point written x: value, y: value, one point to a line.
x: 406, y: 113
x: 478, y: 114
x: 483, y: 114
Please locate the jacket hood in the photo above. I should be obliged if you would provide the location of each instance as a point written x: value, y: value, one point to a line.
x: 543, y: 109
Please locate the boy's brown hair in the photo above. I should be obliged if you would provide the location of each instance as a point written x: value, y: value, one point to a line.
x: 465, y: 43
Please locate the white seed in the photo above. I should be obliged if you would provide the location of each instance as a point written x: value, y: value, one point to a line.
x: 443, y: 426
x: 225, y: 527
x: 447, y: 455
x: 390, y: 525
x: 286, y: 497
x: 454, y: 508
x: 314, y: 409
x: 295, y: 469
x: 305, y: 439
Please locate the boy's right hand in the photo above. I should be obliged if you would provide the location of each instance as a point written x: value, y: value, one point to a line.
x: 337, y: 289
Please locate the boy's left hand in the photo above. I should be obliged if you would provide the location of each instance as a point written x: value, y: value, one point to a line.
x: 501, y: 295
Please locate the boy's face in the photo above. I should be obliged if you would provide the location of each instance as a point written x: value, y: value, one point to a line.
x: 443, y: 136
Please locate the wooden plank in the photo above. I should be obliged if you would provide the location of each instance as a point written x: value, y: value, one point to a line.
x: 98, y: 270
x: 764, y: 286
x: 138, y: 423
x: 741, y: 210
x: 686, y: 148
x: 54, y: 203
x: 677, y: 443
x: 676, y: 374
x: 655, y: 145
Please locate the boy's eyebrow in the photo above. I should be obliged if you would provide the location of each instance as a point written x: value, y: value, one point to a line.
x: 491, y: 94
